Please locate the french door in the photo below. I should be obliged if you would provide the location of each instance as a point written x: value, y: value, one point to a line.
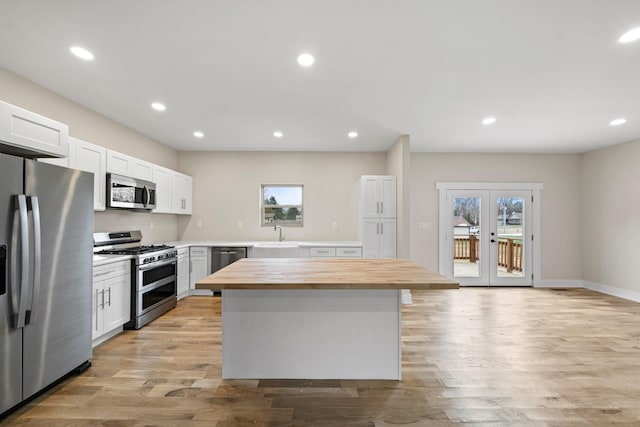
x: 488, y: 237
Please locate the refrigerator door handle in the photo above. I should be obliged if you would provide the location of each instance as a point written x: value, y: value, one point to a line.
x: 32, y: 310
x: 20, y: 236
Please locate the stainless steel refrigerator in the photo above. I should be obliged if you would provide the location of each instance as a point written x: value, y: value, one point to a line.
x: 46, y: 226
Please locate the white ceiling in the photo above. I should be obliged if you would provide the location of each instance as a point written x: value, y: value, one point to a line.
x: 550, y: 71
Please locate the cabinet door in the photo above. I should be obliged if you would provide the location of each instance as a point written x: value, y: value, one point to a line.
x: 187, y: 193
x: 183, y: 275
x: 369, y: 197
x: 117, y: 302
x: 370, y: 238
x: 199, y: 269
x: 164, y: 195
x: 141, y: 169
x: 387, y: 196
x: 388, y: 238
x: 182, y: 194
x: 91, y: 158
x: 97, y: 319
x: 118, y: 163
x: 32, y: 132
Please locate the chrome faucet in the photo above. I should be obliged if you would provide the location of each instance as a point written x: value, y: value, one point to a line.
x: 276, y: 227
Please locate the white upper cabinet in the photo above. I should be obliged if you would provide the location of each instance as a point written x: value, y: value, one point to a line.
x: 378, y: 196
x: 27, y: 133
x: 182, y: 194
x: 163, y: 178
x: 123, y: 164
x: 91, y: 158
x: 173, y: 191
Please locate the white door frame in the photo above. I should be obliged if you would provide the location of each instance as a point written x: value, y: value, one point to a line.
x: 443, y: 214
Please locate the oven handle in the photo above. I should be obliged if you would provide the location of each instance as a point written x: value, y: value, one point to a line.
x: 145, y: 267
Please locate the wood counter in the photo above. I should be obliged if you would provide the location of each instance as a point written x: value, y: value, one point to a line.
x: 319, y: 273
x: 315, y: 318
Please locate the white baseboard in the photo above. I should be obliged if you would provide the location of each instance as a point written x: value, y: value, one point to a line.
x: 610, y: 290
x: 558, y: 283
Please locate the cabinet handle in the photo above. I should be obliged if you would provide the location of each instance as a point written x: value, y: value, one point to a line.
x: 97, y: 292
x: 382, y: 228
x: 190, y: 266
x: 378, y: 208
x: 377, y: 228
x: 102, y: 304
x: 109, y: 302
x: 381, y: 208
x: 349, y: 252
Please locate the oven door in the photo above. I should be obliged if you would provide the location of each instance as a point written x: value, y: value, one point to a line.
x: 129, y: 193
x: 156, y: 283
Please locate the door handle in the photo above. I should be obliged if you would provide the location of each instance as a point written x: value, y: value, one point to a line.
x: 19, y: 236
x: 32, y: 310
x: 493, y: 241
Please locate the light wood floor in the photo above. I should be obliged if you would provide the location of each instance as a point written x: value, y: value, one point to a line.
x: 474, y: 356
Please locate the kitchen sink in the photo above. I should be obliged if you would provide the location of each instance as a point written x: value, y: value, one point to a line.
x: 275, y: 250
x: 276, y: 245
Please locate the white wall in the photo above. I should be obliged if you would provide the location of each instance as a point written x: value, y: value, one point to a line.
x: 560, y: 204
x: 97, y: 129
x: 399, y: 165
x: 611, y: 219
x: 226, y: 192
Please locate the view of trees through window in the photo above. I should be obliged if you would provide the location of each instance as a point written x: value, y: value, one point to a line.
x: 282, y: 205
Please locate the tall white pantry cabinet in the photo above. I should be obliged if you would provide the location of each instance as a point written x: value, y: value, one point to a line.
x: 377, y: 228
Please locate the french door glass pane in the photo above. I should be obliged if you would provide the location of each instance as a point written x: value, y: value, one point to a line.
x: 466, y: 237
x: 510, y: 226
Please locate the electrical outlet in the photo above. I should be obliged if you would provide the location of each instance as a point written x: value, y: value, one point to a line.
x: 240, y: 224
x: 199, y: 224
x: 334, y: 225
x: 151, y: 225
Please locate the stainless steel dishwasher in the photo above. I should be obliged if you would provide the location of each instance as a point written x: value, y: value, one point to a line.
x: 223, y: 256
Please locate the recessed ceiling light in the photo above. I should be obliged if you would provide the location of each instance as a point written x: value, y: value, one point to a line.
x: 306, y: 59
x: 158, y: 106
x: 617, y: 122
x: 81, y: 53
x: 489, y: 121
x: 198, y: 134
x: 278, y: 134
x: 630, y: 36
x: 352, y: 134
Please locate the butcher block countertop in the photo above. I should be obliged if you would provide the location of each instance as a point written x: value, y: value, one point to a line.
x: 315, y: 273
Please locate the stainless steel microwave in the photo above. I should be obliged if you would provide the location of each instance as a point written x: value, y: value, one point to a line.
x: 124, y: 192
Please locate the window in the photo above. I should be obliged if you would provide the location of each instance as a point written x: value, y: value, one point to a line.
x: 281, y: 205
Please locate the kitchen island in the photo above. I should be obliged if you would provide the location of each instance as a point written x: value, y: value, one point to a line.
x: 315, y: 318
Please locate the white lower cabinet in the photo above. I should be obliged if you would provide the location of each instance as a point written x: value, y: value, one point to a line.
x: 200, y: 267
x: 334, y: 252
x: 183, y: 273
x: 379, y: 238
x: 111, y: 299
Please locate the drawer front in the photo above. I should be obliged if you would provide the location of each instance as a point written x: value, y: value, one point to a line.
x: 199, y: 251
x: 108, y: 271
x: 183, y: 252
x: 349, y: 252
x: 322, y: 252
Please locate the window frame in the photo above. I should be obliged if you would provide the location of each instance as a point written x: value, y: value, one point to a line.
x: 263, y: 206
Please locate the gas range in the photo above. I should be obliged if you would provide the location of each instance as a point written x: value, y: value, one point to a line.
x: 153, y: 274
x: 127, y: 243
x: 144, y: 254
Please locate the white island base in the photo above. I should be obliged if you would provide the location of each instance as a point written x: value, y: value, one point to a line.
x: 311, y: 334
